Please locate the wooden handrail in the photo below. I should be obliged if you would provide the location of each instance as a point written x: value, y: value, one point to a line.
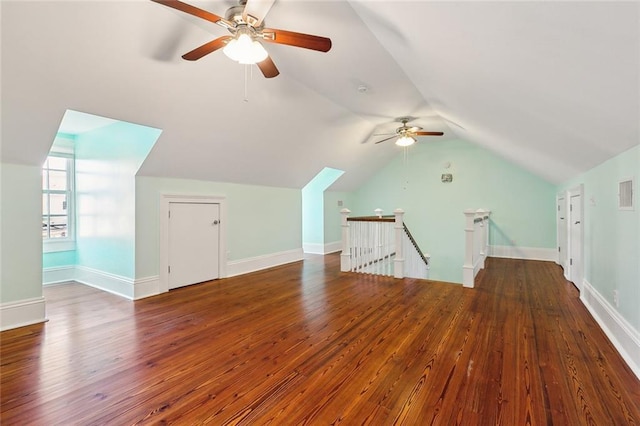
x: 386, y: 218
x: 415, y: 244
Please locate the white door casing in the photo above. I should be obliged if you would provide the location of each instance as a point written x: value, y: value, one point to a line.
x: 576, y: 224
x: 562, y: 232
x: 193, y: 243
x: 165, y: 203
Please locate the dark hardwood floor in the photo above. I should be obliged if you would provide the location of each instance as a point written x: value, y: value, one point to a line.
x: 306, y: 344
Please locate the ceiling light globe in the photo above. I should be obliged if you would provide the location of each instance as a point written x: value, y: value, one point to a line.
x: 405, y: 141
x: 244, y: 42
x: 231, y: 50
x: 254, y: 54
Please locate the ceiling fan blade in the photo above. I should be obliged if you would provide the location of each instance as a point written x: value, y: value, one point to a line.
x: 206, y: 48
x: 268, y: 68
x: 384, y: 140
x: 255, y: 11
x: 195, y: 11
x: 429, y: 133
x: 290, y: 38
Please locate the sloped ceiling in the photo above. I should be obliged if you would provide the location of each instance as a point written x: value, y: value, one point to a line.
x: 551, y: 86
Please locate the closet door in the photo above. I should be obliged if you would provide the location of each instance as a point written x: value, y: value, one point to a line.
x: 194, y: 243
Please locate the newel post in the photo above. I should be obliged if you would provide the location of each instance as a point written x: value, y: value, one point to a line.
x: 398, y: 263
x: 345, y: 257
x: 467, y: 268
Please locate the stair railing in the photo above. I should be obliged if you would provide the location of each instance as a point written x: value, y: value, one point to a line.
x: 381, y: 245
x: 416, y: 263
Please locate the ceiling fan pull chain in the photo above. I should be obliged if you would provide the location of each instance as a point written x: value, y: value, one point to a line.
x: 246, y: 85
x: 405, y: 153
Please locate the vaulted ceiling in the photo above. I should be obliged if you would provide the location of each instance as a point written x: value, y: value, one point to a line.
x: 551, y: 86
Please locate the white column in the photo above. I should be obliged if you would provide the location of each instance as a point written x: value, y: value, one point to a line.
x: 345, y: 257
x: 398, y: 263
x: 467, y: 268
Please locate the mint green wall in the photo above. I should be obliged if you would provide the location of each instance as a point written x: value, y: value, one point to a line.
x: 523, y: 205
x: 107, y: 160
x: 312, y: 216
x: 261, y: 220
x: 20, y: 232
x: 332, y: 217
x: 612, y: 236
x: 313, y: 205
x: 59, y: 258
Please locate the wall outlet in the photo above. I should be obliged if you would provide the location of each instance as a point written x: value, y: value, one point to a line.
x: 616, y: 298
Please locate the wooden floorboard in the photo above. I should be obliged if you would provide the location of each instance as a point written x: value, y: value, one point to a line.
x: 307, y: 344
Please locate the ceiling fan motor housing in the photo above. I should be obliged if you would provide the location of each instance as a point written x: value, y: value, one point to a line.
x: 234, y: 14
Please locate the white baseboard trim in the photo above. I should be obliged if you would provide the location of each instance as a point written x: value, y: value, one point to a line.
x: 317, y: 248
x: 313, y: 248
x: 22, y: 313
x: 333, y: 247
x: 527, y: 253
x: 58, y: 275
x: 111, y: 283
x: 621, y: 334
x: 145, y: 287
x: 122, y: 286
x: 253, y: 264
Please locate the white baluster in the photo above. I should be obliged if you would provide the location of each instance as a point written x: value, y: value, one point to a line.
x: 345, y: 256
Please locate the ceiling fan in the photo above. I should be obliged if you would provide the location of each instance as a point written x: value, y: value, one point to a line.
x: 407, y: 135
x: 246, y: 25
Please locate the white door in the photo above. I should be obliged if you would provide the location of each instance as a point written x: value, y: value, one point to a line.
x: 194, y: 231
x: 575, y: 240
x: 563, y: 253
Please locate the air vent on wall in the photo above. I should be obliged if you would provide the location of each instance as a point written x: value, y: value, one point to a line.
x: 625, y: 194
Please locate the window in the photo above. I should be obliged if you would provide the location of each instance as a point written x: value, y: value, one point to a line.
x: 57, y: 198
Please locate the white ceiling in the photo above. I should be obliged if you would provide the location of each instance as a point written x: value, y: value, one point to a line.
x: 552, y: 86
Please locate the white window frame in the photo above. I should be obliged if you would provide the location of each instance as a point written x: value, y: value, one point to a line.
x: 67, y: 243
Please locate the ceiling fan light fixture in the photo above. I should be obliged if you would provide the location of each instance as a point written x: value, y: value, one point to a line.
x: 245, y: 50
x: 405, y: 141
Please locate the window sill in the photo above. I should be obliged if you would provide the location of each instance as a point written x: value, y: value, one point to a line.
x: 55, y: 246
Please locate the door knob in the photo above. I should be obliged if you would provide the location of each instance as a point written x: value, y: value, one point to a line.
x: 577, y: 223
x: 215, y: 222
